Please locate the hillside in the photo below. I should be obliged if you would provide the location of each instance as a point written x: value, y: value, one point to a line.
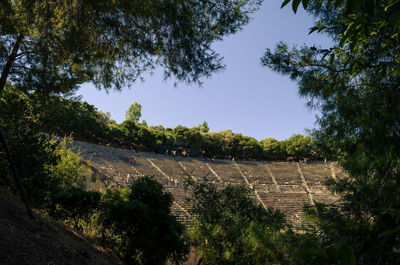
x: 280, y: 185
x: 42, y: 241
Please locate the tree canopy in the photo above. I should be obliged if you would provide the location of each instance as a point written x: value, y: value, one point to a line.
x: 134, y: 112
x: 356, y: 86
x: 230, y: 228
x: 142, y: 227
x: 53, y: 46
x: 361, y: 19
x: 69, y: 116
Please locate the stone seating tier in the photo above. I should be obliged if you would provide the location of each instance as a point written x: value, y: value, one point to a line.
x: 315, y: 174
x: 255, y: 172
x: 285, y: 173
x: 277, y: 184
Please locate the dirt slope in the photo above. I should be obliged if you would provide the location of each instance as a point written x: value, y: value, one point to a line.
x: 41, y: 241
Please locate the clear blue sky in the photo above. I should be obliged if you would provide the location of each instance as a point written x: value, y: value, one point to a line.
x: 247, y: 97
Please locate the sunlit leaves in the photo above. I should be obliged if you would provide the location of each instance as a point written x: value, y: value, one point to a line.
x: 134, y: 112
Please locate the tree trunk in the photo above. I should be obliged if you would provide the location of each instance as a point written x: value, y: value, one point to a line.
x: 3, y: 80
x: 10, y: 61
x: 17, y: 177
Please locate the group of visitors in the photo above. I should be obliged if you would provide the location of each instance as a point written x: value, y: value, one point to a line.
x: 173, y: 152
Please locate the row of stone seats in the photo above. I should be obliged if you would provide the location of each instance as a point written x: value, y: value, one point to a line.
x: 285, y: 173
x: 255, y: 172
x: 315, y: 174
x: 289, y: 203
x: 199, y: 170
x: 289, y: 195
x: 227, y: 171
x: 326, y: 198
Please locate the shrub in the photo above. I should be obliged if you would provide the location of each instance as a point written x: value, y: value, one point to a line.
x: 75, y: 206
x: 139, y: 226
x: 232, y: 229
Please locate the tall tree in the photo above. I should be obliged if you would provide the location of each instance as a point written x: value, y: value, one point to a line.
x: 134, y: 113
x: 356, y: 86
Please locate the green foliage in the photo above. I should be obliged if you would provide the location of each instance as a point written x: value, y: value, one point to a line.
x: 47, y: 167
x: 272, y: 148
x: 203, y: 128
x: 75, y: 206
x: 69, y: 170
x: 359, y: 22
x: 140, y: 225
x: 33, y: 152
x: 329, y: 256
x: 187, y: 137
x: 54, y: 46
x: 134, y: 112
x: 298, y: 146
x: 231, y: 229
x: 68, y: 116
x: 64, y: 116
x: 355, y: 85
x: 138, y: 134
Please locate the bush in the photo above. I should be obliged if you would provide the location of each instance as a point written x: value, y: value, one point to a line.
x: 139, y: 226
x: 75, y: 206
x: 232, y: 229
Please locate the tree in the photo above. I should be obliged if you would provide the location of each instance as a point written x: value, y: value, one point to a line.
x: 39, y: 159
x: 144, y: 123
x: 220, y: 142
x: 359, y: 21
x: 65, y: 116
x: 76, y: 206
x: 230, y: 228
x: 143, y: 229
x: 298, y: 146
x: 187, y: 137
x: 53, y: 46
x: 272, y: 148
x: 134, y: 113
x: 204, y: 128
x: 357, y: 90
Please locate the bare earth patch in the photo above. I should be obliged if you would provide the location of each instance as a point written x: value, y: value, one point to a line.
x: 42, y: 241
